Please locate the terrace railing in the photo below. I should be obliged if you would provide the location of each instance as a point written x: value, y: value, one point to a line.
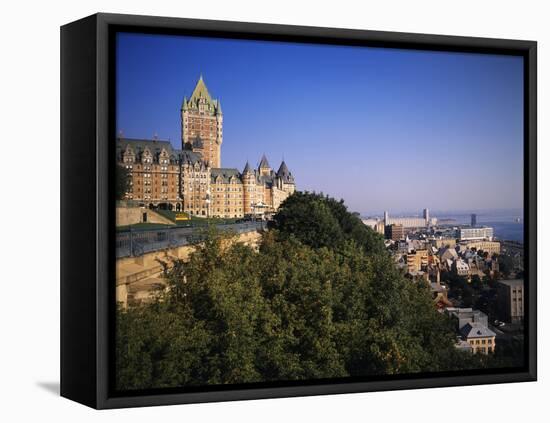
x: 134, y: 242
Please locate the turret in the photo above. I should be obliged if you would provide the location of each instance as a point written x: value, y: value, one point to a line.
x: 249, y: 188
x: 197, y: 113
x: 264, y: 168
x: 285, y: 178
x: 284, y: 173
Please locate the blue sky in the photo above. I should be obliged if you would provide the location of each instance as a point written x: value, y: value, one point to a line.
x: 381, y: 128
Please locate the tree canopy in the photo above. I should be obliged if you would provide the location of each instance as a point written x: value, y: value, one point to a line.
x: 320, y: 221
x: 317, y: 299
x: 122, y: 182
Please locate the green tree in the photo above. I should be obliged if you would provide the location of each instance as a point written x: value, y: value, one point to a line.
x: 505, y: 265
x: 476, y: 283
x: 321, y: 221
x: 320, y: 303
x: 122, y: 181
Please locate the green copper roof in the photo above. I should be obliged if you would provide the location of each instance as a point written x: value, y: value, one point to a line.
x: 201, y: 91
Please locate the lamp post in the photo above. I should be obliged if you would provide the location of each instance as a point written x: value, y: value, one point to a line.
x: 208, y: 205
x: 142, y: 208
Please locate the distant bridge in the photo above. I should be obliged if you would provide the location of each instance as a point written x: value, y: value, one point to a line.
x: 136, y: 242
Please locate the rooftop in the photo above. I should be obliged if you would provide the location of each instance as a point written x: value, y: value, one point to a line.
x: 155, y: 147
x: 225, y: 174
x: 512, y: 282
x: 264, y: 164
x: 476, y: 330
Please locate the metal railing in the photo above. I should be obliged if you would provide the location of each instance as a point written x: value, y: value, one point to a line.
x: 134, y: 243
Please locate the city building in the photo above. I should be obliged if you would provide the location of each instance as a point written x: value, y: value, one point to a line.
x: 511, y: 300
x: 375, y: 224
x: 462, y: 316
x: 409, y: 222
x: 370, y: 222
x: 491, y: 247
x: 417, y: 260
x: 416, y: 244
x: 434, y: 272
x: 395, y: 232
x: 461, y: 268
x: 443, y: 242
x: 192, y: 180
x: 473, y: 220
x: 469, y: 233
x: 472, y: 326
x: 448, y: 254
x: 439, y: 295
x: 379, y: 225
x: 514, y: 249
x: 477, y: 266
x: 402, y: 246
x: 426, y: 216
x: 480, y: 338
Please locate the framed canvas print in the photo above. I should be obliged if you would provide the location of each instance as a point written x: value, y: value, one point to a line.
x: 255, y: 211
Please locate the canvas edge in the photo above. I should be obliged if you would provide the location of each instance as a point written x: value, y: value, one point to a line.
x: 104, y: 22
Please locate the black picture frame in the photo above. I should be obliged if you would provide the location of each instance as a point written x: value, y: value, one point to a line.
x: 87, y: 258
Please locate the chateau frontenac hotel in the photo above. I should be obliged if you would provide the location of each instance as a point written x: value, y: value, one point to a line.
x: 192, y: 179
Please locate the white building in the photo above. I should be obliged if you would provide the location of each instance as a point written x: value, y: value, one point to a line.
x: 371, y: 223
x: 462, y: 268
x: 476, y: 233
x: 411, y: 221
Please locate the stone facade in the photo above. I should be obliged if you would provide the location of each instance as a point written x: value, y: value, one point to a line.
x: 511, y: 300
x: 479, y: 337
x: 473, y: 329
x: 417, y: 261
x: 395, y: 232
x: 491, y: 247
x: 191, y: 179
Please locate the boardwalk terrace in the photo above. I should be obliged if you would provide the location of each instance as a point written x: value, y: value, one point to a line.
x: 191, y: 179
